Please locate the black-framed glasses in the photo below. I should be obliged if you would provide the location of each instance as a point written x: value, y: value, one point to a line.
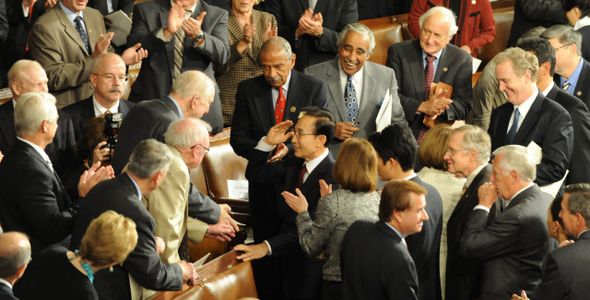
x: 205, y: 148
x: 298, y: 134
x: 110, y: 77
x: 561, y: 47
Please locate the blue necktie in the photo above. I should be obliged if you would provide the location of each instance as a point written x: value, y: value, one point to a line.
x: 78, y: 20
x: 512, y: 132
x: 351, y: 102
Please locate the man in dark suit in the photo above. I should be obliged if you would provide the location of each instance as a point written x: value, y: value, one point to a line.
x: 374, y: 258
x: 312, y: 31
x: 311, y: 162
x: 538, y: 119
x: 357, y: 87
x: 108, y: 80
x: 396, y: 152
x: 106, y: 7
x: 33, y: 199
x: 146, y: 170
x: 572, y: 72
x: 190, y: 97
x: 28, y: 76
x: 255, y: 113
x: 529, y: 14
x: 468, y: 153
x: 15, y: 255
x: 513, y: 244
x: 430, y: 59
x: 203, y: 30
x: 565, y: 274
x: 580, y: 160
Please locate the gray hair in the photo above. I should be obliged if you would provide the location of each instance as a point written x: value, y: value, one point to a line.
x: 20, y: 66
x: 360, y: 29
x: 185, y: 133
x: 477, y: 139
x: 13, y: 256
x: 521, y: 60
x: 579, y: 203
x: 577, y: 187
x: 97, y: 61
x: 517, y: 158
x: 566, y: 35
x: 448, y: 16
x: 532, y: 33
x: 148, y: 158
x: 277, y: 42
x: 193, y: 83
x: 31, y: 110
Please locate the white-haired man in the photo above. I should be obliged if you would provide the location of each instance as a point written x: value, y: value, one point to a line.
x: 514, y: 242
x: 430, y: 59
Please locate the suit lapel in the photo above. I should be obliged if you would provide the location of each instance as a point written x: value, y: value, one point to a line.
x: 320, y: 5
x: 529, y: 121
x: 258, y: 39
x: 7, y: 123
x: 163, y: 15
x: 581, y: 85
x: 503, y: 120
x: 293, y: 95
x: 443, y: 66
x: 336, y: 92
x: 263, y: 104
x: 304, y: 4
x: 71, y: 30
x: 367, y: 99
x: 553, y: 92
x: 417, y: 68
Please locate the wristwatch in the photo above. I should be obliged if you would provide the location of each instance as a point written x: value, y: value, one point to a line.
x: 199, y: 37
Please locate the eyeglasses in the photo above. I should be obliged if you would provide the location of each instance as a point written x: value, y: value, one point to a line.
x: 561, y: 47
x: 110, y: 77
x: 205, y: 148
x: 453, y: 151
x: 298, y: 134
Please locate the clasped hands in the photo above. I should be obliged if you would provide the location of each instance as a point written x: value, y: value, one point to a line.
x: 249, y: 31
x: 130, y: 56
x: 436, y: 105
x: 176, y: 20
x: 310, y: 23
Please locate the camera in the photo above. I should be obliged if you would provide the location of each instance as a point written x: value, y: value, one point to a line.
x: 111, y: 129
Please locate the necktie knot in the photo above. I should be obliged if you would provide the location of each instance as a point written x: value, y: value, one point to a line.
x: 566, y: 85
x: 430, y: 58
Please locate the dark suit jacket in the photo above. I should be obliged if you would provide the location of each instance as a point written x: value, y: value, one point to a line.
x: 33, y: 199
x: 371, y: 9
x: 375, y: 264
x: 150, y: 119
x: 83, y: 111
x: 580, y: 160
x: 585, y: 32
x: 297, y: 270
x: 565, y: 273
x: 6, y: 292
x: 377, y: 80
x: 462, y: 274
x: 548, y: 125
x: 155, y: 77
x: 101, y: 5
x: 143, y: 263
x: 424, y: 246
x: 532, y: 13
x: 311, y: 50
x: 454, y: 69
x: 582, y: 90
x: 512, y: 246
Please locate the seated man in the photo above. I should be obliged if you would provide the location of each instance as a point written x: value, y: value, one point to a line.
x: 529, y: 116
x: 396, y: 152
x: 374, y: 258
x: 430, y: 59
x: 357, y: 86
x: 108, y: 80
x: 15, y: 255
x: 33, y: 199
x: 147, y: 169
x: 511, y: 243
x: 311, y: 162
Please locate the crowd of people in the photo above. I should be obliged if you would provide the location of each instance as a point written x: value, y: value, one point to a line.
x: 361, y: 183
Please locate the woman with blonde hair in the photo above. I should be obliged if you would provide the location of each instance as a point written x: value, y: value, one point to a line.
x: 355, y: 170
x: 57, y: 273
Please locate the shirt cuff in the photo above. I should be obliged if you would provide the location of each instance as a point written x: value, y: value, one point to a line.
x: 160, y: 35
x: 482, y: 208
x: 269, y: 248
x: 264, y: 147
x: 202, y: 45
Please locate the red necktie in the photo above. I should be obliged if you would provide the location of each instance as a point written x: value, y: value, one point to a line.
x: 280, y: 107
x: 301, y: 174
x: 428, y: 79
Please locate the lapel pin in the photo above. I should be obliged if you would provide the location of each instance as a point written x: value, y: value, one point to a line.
x: 579, y: 93
x: 445, y: 69
x: 293, y: 109
x: 89, y: 31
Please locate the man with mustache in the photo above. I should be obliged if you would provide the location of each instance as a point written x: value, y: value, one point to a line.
x: 357, y: 86
x: 108, y: 79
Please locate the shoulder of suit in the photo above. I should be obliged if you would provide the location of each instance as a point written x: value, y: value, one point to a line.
x: 319, y: 69
x: 304, y: 77
x: 458, y: 54
x: 552, y: 106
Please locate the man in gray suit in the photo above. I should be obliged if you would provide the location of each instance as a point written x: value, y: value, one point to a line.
x: 357, y: 87
x: 513, y: 242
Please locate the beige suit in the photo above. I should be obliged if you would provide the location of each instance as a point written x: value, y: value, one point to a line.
x: 57, y: 46
x: 168, y: 205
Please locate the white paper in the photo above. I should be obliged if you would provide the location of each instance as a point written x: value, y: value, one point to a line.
x: 384, y: 116
x: 121, y: 27
x: 476, y: 63
x: 199, y: 263
x: 238, y: 189
x: 553, y: 188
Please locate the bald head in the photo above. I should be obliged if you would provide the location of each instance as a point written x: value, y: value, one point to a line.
x: 15, y: 253
x: 27, y: 76
x: 191, y: 138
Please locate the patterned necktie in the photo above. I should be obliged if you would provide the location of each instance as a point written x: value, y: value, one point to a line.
x: 566, y: 85
x: 280, y: 107
x: 178, y: 52
x: 512, y: 132
x: 80, y: 29
x: 351, y: 101
x: 301, y: 175
x: 183, y: 249
x: 428, y: 79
